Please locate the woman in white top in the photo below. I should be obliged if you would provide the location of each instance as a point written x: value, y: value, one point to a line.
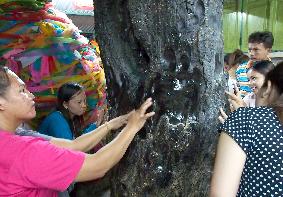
x: 256, y: 75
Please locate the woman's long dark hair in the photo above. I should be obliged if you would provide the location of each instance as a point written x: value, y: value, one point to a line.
x: 275, y: 76
x: 65, y: 94
x: 263, y: 67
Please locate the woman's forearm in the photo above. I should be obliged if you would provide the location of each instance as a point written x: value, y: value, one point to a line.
x: 96, y: 165
x: 85, y: 142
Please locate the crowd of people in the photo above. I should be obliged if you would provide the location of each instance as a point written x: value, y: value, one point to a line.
x: 34, y: 165
x: 250, y: 149
x: 249, y: 154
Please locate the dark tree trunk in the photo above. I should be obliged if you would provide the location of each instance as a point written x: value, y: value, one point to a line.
x: 170, y: 50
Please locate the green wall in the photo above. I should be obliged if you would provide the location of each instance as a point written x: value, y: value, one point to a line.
x: 242, y: 17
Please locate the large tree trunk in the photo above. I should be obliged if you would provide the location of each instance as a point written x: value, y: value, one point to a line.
x: 170, y: 50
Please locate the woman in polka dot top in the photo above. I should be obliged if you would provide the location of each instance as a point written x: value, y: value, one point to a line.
x: 249, y: 153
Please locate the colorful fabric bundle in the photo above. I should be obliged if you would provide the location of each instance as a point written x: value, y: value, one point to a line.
x: 46, y: 50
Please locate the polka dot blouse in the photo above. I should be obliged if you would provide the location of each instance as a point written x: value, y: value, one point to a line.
x: 259, y: 133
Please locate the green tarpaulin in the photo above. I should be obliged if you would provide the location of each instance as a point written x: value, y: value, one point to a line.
x: 242, y: 17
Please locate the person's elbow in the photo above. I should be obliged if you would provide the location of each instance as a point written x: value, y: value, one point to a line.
x: 92, y: 168
x: 219, y: 191
x: 214, y: 192
x: 215, y: 187
x: 100, y: 171
x: 100, y: 174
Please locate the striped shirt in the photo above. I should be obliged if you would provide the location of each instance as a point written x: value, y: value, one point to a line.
x: 242, y: 78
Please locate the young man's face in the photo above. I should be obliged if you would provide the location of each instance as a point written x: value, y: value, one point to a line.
x: 257, y: 51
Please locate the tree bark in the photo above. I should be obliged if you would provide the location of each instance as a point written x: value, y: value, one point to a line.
x: 171, y: 50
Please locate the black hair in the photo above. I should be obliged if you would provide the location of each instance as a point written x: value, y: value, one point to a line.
x: 264, y: 37
x: 275, y: 76
x: 263, y: 67
x: 4, y: 80
x: 65, y: 94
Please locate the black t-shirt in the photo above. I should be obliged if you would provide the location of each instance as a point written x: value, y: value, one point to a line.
x: 259, y: 133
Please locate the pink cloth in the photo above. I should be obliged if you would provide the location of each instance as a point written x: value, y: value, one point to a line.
x: 31, y: 166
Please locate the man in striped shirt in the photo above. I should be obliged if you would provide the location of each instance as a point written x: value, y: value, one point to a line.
x: 259, y: 47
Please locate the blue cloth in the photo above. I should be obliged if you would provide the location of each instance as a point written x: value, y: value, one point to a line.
x: 242, y: 78
x: 57, y: 126
x: 89, y: 128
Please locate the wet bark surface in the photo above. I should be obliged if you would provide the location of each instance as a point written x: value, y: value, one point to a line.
x: 170, y: 50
